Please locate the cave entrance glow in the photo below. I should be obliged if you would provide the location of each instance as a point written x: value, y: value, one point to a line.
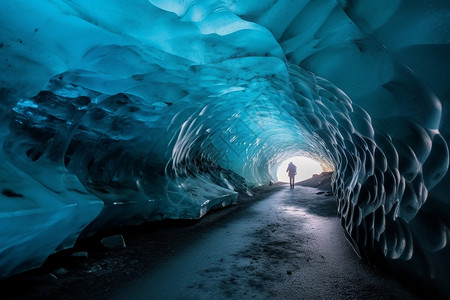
x: 306, y: 168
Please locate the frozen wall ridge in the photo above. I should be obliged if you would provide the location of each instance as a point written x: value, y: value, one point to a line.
x: 146, y: 110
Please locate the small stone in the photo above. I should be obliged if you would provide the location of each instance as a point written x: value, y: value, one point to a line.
x: 61, y: 271
x: 289, y: 272
x: 113, y: 242
x: 82, y: 254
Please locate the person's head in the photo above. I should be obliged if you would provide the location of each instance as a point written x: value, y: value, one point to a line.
x: 291, y: 163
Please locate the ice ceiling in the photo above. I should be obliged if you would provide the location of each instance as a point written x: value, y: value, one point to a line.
x: 117, y: 112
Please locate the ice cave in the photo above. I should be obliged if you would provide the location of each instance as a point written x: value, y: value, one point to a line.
x: 121, y: 112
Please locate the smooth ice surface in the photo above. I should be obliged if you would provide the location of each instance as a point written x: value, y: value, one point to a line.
x: 118, y: 112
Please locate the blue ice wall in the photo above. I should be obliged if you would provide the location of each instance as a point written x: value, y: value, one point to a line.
x: 119, y: 112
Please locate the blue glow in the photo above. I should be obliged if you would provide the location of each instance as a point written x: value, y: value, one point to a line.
x: 142, y: 110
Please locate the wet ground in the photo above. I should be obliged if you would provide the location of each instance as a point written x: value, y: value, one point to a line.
x: 286, y: 245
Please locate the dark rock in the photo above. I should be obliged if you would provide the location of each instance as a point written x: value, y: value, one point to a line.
x: 82, y: 254
x: 113, y: 242
x: 61, y: 271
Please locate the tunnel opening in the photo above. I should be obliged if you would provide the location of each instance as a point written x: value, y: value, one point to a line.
x: 306, y: 168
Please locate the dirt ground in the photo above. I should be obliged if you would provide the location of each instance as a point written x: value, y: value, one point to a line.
x: 279, y: 244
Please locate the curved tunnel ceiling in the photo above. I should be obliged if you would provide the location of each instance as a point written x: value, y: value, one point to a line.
x: 118, y: 113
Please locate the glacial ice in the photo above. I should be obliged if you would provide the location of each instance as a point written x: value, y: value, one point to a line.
x: 115, y: 113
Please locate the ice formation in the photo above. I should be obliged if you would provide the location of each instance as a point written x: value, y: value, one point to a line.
x: 117, y: 112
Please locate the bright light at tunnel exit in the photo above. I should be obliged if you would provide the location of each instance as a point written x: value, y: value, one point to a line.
x: 306, y: 168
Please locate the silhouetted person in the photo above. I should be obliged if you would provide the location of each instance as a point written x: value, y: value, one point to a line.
x: 292, y: 171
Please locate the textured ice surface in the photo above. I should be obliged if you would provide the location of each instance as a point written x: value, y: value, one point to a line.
x: 118, y: 112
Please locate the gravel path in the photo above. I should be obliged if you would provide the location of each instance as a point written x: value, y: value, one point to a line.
x: 289, y: 245
x: 279, y: 244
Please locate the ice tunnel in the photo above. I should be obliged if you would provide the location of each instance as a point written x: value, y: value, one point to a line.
x: 118, y: 112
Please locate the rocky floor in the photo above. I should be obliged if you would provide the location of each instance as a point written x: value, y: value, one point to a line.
x: 280, y: 244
